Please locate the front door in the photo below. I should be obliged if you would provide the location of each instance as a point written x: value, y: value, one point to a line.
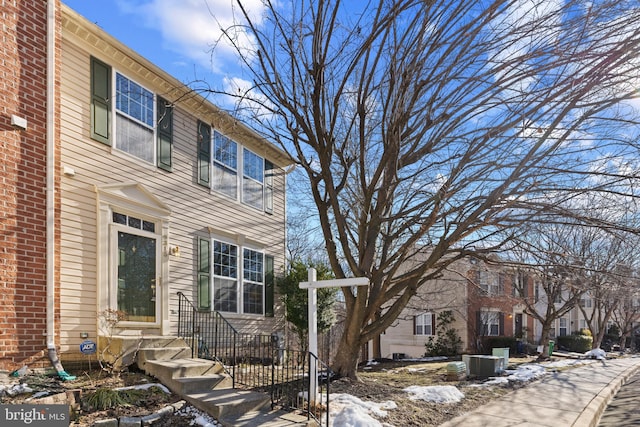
x: 137, y: 263
x: 518, y: 325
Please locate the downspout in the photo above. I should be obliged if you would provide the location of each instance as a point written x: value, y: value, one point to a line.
x: 51, y: 170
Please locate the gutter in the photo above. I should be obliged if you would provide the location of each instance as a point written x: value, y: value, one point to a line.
x: 51, y: 171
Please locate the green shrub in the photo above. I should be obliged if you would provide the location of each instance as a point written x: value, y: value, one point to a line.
x: 575, y: 342
x: 448, y: 342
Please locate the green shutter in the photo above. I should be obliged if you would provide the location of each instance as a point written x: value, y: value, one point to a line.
x: 204, y: 274
x: 204, y: 154
x: 100, y: 101
x: 164, y: 114
x: 269, y: 282
x: 268, y: 186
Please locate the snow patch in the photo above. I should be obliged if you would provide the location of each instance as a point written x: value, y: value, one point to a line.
x: 437, y: 394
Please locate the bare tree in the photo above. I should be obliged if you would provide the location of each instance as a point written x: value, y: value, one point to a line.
x: 608, y: 276
x: 431, y: 123
x: 627, y: 314
x: 547, y: 252
x: 304, y: 240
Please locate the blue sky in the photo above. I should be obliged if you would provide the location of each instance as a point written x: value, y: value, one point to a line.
x: 175, y: 35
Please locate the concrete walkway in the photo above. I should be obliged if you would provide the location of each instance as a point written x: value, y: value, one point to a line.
x: 573, y: 397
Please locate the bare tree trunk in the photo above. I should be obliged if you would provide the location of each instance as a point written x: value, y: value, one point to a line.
x: 345, y: 363
x: 544, y: 338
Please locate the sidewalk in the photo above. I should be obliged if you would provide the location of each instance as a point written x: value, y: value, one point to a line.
x: 574, y: 397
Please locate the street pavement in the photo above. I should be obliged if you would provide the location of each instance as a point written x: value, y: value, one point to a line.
x: 571, y: 397
x: 624, y: 409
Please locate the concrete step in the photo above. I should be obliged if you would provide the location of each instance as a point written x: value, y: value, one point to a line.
x: 203, y: 383
x: 161, y: 353
x: 179, y: 368
x: 229, y: 403
x: 162, y: 342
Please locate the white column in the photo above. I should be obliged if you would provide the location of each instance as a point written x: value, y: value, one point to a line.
x: 313, y: 336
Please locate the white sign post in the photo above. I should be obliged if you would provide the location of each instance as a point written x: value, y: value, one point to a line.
x: 312, y: 285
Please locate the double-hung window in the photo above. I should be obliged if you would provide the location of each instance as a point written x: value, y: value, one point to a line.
x: 233, y: 170
x: 143, y: 121
x: 225, y: 165
x: 134, y: 119
x: 490, y: 323
x: 253, y: 179
x: 225, y: 277
x: 490, y: 283
x: 563, y: 329
x: 424, y: 324
x: 235, y: 279
x: 253, y: 286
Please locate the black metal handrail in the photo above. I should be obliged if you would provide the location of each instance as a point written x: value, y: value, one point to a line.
x: 256, y: 361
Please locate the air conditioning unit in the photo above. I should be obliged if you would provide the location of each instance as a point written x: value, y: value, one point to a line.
x: 486, y: 366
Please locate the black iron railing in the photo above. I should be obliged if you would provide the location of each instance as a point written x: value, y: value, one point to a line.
x: 261, y: 362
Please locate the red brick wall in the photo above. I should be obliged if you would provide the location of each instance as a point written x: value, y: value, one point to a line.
x: 23, y: 88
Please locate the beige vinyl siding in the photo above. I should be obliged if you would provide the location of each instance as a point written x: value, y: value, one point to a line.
x: 194, y: 209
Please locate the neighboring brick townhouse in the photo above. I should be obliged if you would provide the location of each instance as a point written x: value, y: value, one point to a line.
x: 121, y: 188
x: 28, y: 134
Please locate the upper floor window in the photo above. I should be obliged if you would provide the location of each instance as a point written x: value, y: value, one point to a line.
x: 424, y: 324
x: 225, y: 165
x: 233, y: 170
x: 586, y: 302
x: 143, y: 126
x: 557, y: 294
x: 520, y: 285
x: 134, y: 119
x: 491, y: 284
x: 253, y: 179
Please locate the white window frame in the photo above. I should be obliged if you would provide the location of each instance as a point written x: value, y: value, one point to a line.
x: 489, y: 283
x: 122, y: 115
x: 491, y: 319
x: 218, y: 278
x: 586, y: 301
x: 563, y: 326
x: 254, y: 279
x: 483, y: 278
x: 241, y: 280
x: 222, y: 170
x: 248, y: 180
x: 241, y: 180
x: 424, y: 321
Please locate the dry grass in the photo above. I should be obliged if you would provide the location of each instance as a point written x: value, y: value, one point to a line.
x: 386, y: 381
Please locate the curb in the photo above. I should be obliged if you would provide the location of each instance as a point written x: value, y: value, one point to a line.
x: 590, y: 416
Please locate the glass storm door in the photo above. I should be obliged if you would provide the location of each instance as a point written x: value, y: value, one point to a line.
x: 137, y: 274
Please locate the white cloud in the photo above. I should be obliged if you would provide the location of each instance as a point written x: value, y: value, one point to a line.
x: 193, y: 28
